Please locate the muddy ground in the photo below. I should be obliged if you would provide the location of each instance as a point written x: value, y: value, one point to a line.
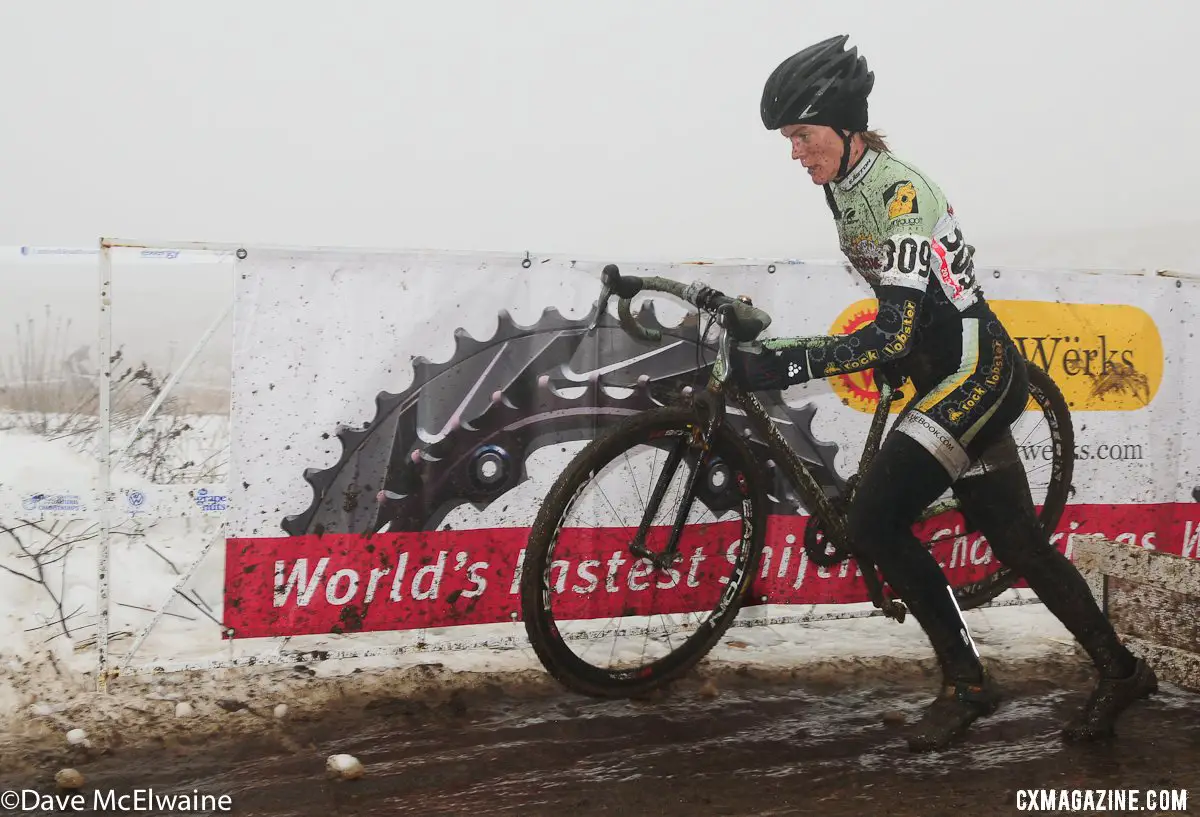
x: 720, y: 743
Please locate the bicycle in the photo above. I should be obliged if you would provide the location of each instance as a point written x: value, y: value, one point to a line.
x: 724, y: 476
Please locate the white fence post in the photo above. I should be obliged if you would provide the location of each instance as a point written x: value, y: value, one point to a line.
x: 104, y: 460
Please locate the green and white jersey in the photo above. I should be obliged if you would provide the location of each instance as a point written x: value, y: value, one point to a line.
x: 897, y: 228
x: 899, y: 233
x: 933, y: 324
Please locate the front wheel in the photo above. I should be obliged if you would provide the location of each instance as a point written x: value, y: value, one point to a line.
x: 609, y: 619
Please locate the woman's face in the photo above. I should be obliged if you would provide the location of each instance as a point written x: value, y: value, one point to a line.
x: 817, y: 147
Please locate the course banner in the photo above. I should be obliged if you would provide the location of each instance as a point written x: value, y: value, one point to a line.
x: 398, y: 419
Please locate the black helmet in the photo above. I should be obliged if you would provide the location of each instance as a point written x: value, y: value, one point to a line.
x: 821, y: 85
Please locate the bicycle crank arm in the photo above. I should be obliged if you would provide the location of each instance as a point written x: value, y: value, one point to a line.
x: 890, y: 607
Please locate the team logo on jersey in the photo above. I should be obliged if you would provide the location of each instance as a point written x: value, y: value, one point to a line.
x: 864, y: 255
x: 901, y: 199
x: 859, y: 389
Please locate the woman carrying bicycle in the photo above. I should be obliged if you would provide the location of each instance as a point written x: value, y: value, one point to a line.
x: 934, y: 326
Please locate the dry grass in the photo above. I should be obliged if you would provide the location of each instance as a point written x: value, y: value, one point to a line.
x: 43, y: 375
x: 82, y: 397
x: 49, y: 391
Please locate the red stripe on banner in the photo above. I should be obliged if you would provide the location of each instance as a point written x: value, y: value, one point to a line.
x: 338, y: 583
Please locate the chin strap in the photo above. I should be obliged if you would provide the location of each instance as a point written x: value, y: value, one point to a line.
x: 844, y: 166
x: 832, y: 204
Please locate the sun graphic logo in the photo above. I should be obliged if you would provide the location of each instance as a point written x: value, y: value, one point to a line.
x: 858, y: 390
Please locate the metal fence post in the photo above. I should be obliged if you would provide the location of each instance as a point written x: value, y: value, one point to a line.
x: 104, y: 460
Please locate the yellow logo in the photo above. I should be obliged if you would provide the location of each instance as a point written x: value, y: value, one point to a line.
x: 1104, y: 357
x: 902, y: 199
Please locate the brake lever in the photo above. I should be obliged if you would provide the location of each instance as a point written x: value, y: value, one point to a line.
x: 724, y: 346
x: 601, y: 308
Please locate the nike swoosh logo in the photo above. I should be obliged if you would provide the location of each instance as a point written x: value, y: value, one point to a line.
x: 583, y: 377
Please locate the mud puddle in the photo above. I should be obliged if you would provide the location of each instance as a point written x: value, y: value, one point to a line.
x: 747, y: 747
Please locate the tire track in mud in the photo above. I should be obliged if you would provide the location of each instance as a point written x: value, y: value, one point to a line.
x: 756, y: 747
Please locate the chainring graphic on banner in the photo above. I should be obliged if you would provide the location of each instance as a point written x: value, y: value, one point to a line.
x: 462, y: 432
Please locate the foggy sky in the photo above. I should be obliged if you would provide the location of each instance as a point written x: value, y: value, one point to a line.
x: 627, y: 128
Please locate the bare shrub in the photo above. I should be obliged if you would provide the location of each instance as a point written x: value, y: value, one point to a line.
x: 49, y: 389
x: 55, y: 394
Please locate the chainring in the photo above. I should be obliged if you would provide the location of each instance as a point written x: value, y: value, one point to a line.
x: 462, y: 431
x: 820, y: 552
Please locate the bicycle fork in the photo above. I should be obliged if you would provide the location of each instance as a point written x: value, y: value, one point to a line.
x: 711, y: 404
x: 700, y: 441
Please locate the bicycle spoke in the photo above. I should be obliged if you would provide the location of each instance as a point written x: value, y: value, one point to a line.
x: 620, y: 519
x: 619, y: 611
x: 633, y: 481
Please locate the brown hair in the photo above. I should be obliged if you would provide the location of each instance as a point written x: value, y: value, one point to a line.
x: 873, y: 140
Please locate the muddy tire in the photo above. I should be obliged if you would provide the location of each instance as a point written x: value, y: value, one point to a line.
x: 537, y: 594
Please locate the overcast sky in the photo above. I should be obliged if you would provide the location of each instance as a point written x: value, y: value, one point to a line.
x: 624, y: 128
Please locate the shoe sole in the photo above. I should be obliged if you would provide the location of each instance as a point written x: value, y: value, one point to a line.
x: 955, y: 736
x: 1082, y: 735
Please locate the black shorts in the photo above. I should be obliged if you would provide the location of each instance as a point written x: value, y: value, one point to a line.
x: 956, y: 416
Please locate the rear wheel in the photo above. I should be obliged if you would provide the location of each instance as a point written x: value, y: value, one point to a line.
x: 611, y: 622
x: 1045, y: 439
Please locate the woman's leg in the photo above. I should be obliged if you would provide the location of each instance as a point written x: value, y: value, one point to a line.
x: 904, y: 479
x: 998, y: 502
x: 901, y: 482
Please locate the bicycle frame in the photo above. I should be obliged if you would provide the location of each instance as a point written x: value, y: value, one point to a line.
x: 717, y: 392
x: 794, y: 468
x: 819, y: 506
x: 739, y: 318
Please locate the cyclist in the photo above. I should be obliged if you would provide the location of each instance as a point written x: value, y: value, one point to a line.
x: 935, y: 327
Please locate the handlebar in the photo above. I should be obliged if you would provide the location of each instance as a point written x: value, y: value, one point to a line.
x: 741, y: 319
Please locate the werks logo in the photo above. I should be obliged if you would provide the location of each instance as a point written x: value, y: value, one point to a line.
x: 1104, y: 357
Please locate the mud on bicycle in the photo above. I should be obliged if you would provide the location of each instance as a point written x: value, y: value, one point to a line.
x: 678, y: 607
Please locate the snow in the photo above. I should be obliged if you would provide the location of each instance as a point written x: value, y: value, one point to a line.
x: 345, y: 767
x: 48, y: 682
